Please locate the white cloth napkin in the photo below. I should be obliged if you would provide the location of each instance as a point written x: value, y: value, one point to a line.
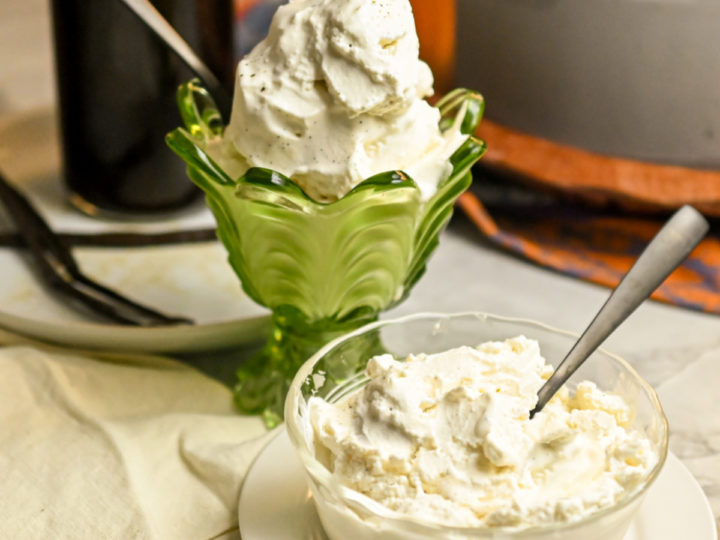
x: 125, y: 448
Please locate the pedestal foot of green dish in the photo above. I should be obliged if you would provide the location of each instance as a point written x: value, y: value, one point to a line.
x: 263, y: 380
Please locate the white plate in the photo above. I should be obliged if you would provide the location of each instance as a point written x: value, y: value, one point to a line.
x: 276, y: 503
x: 194, y: 280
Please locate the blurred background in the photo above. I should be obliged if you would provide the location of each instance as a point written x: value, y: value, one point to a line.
x: 601, y: 118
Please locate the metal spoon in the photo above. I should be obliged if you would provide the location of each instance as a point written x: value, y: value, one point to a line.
x: 663, y: 254
x: 150, y: 16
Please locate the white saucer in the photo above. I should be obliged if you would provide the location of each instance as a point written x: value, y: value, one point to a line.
x: 193, y: 280
x: 275, y: 502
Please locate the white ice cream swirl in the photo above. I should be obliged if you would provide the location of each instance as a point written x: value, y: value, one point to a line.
x: 446, y: 438
x: 334, y: 95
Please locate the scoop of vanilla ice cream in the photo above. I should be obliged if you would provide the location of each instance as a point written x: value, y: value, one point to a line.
x: 334, y: 95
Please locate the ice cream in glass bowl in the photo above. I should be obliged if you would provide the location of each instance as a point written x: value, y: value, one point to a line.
x: 430, y: 435
x: 333, y: 178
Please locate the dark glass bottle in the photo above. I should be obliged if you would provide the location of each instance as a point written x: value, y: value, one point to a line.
x: 116, y: 85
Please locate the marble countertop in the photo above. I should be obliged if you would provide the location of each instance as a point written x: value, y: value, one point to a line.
x: 676, y: 350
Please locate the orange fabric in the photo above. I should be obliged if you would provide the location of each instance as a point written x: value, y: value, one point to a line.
x: 599, y: 248
x: 243, y: 7
x: 435, y: 24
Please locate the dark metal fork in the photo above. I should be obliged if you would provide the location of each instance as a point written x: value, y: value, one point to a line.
x: 59, y: 270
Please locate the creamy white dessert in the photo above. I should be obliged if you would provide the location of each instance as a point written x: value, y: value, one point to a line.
x: 447, y: 438
x: 334, y: 95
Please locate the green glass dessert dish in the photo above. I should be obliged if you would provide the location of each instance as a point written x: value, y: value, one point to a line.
x: 323, y: 269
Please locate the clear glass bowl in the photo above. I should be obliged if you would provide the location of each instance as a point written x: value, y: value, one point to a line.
x: 346, y: 513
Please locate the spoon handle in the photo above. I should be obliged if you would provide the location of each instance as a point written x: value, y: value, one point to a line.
x: 147, y: 13
x: 662, y: 255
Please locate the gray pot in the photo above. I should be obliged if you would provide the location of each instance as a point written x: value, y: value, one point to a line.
x: 629, y: 78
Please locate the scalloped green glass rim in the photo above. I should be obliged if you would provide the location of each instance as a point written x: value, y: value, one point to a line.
x: 204, y: 123
x: 460, y: 107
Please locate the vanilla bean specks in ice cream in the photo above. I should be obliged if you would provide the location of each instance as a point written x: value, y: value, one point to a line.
x: 334, y: 95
